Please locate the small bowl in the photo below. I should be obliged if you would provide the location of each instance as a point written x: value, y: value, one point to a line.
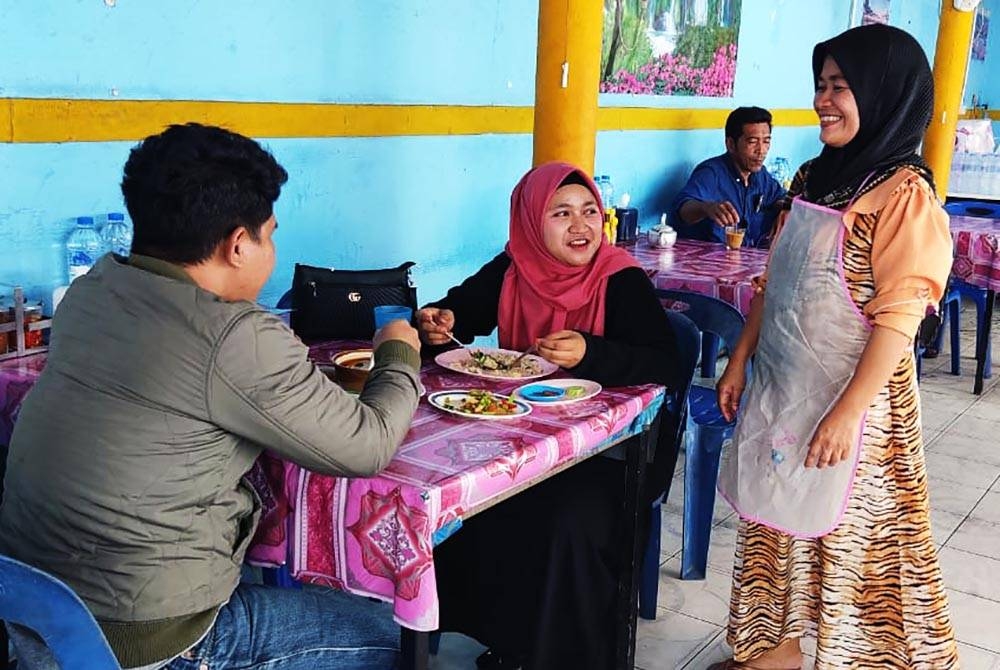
x: 351, y: 368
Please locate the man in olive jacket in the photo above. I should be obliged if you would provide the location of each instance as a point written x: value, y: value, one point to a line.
x: 164, y: 382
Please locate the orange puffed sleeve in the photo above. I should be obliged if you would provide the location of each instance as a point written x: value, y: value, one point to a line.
x: 911, y: 257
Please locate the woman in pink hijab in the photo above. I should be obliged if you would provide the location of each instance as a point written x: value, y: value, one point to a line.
x: 548, y: 599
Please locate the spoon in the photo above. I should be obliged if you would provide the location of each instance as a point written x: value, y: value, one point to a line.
x: 455, y: 340
x: 517, y: 361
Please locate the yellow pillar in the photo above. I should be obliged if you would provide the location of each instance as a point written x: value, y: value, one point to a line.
x: 567, y: 75
x: 951, y: 57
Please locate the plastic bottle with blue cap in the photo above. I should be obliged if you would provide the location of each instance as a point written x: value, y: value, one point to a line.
x: 83, y: 247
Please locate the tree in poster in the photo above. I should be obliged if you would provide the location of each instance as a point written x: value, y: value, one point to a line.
x: 670, y: 47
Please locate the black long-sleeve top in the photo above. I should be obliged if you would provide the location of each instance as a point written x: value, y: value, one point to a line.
x: 638, y: 345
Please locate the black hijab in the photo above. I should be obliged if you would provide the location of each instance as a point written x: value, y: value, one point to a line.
x: 891, y: 80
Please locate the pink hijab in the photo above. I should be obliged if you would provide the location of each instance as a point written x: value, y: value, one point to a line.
x: 540, y: 294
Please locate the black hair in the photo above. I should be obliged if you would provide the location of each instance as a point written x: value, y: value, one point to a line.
x: 741, y: 116
x: 574, y: 177
x: 189, y: 187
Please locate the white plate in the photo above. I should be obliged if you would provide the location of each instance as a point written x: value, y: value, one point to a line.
x: 455, y: 358
x: 438, y: 400
x: 590, y: 389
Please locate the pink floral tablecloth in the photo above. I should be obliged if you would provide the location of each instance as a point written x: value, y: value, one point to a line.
x: 17, y: 376
x: 707, y: 268
x: 977, y: 258
x: 375, y: 536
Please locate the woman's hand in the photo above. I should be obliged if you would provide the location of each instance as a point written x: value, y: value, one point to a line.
x: 565, y: 348
x: 434, y: 324
x: 835, y: 437
x: 730, y: 388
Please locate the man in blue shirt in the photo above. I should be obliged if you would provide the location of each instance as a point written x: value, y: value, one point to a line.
x: 734, y: 189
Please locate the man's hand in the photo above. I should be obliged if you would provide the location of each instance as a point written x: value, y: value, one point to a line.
x: 565, y: 348
x: 835, y: 438
x: 722, y: 212
x: 397, y: 330
x: 434, y: 324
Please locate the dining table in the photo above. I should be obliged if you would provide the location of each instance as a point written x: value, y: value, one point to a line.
x: 375, y: 536
x: 977, y: 262
x: 707, y: 268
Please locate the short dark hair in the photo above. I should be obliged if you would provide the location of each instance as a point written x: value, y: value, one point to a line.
x: 741, y: 116
x: 189, y: 187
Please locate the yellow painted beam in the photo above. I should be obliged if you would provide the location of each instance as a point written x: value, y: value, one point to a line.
x: 567, y: 76
x: 6, y: 131
x: 646, y: 118
x: 26, y: 120
x: 950, y: 61
x: 993, y: 114
x: 57, y: 120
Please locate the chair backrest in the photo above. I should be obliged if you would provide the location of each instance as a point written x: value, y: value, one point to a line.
x: 688, y: 349
x: 37, y: 601
x: 710, y: 315
x: 986, y: 210
x: 673, y: 417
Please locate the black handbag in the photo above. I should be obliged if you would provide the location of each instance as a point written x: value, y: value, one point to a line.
x: 338, y: 304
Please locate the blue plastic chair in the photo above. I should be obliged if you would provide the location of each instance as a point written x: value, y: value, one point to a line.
x: 948, y: 310
x: 37, y: 601
x: 977, y: 295
x: 688, y: 343
x: 709, y: 430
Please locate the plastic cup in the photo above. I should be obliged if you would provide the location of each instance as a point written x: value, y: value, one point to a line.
x: 734, y: 237
x: 386, y: 313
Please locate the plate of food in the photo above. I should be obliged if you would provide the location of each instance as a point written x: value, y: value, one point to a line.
x: 495, y: 363
x: 557, y: 391
x: 479, y: 404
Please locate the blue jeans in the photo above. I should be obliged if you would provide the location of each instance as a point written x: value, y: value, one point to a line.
x: 311, y: 628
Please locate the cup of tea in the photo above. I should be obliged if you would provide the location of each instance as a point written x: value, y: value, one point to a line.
x: 734, y: 237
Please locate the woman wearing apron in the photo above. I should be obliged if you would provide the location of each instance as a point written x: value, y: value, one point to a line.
x: 826, y: 468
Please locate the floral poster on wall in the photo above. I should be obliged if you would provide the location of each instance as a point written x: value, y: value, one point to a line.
x: 670, y: 47
x: 980, y: 33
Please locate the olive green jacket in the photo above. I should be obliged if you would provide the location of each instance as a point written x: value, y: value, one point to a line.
x: 125, y: 465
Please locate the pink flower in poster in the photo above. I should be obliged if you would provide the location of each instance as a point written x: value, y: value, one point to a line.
x: 674, y: 75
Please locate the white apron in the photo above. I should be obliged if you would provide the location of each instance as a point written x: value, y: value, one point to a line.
x: 812, y: 336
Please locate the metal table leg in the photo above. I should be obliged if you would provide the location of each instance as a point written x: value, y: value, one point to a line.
x: 983, y: 343
x: 414, y: 649
x: 636, y: 462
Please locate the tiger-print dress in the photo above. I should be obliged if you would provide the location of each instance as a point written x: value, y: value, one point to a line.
x: 871, y: 591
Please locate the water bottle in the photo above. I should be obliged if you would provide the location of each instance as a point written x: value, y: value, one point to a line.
x: 83, y: 247
x: 959, y: 173
x: 117, y: 234
x: 608, y: 193
x: 600, y: 181
x: 782, y: 172
x: 993, y: 185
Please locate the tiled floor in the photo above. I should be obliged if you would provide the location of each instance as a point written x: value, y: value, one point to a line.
x: 962, y: 440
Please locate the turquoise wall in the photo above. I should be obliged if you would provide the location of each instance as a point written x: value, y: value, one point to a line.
x: 358, y: 202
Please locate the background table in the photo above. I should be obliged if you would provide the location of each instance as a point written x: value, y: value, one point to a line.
x: 977, y: 262
x: 707, y: 268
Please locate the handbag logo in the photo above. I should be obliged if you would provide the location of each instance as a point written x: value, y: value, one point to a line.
x: 354, y: 296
